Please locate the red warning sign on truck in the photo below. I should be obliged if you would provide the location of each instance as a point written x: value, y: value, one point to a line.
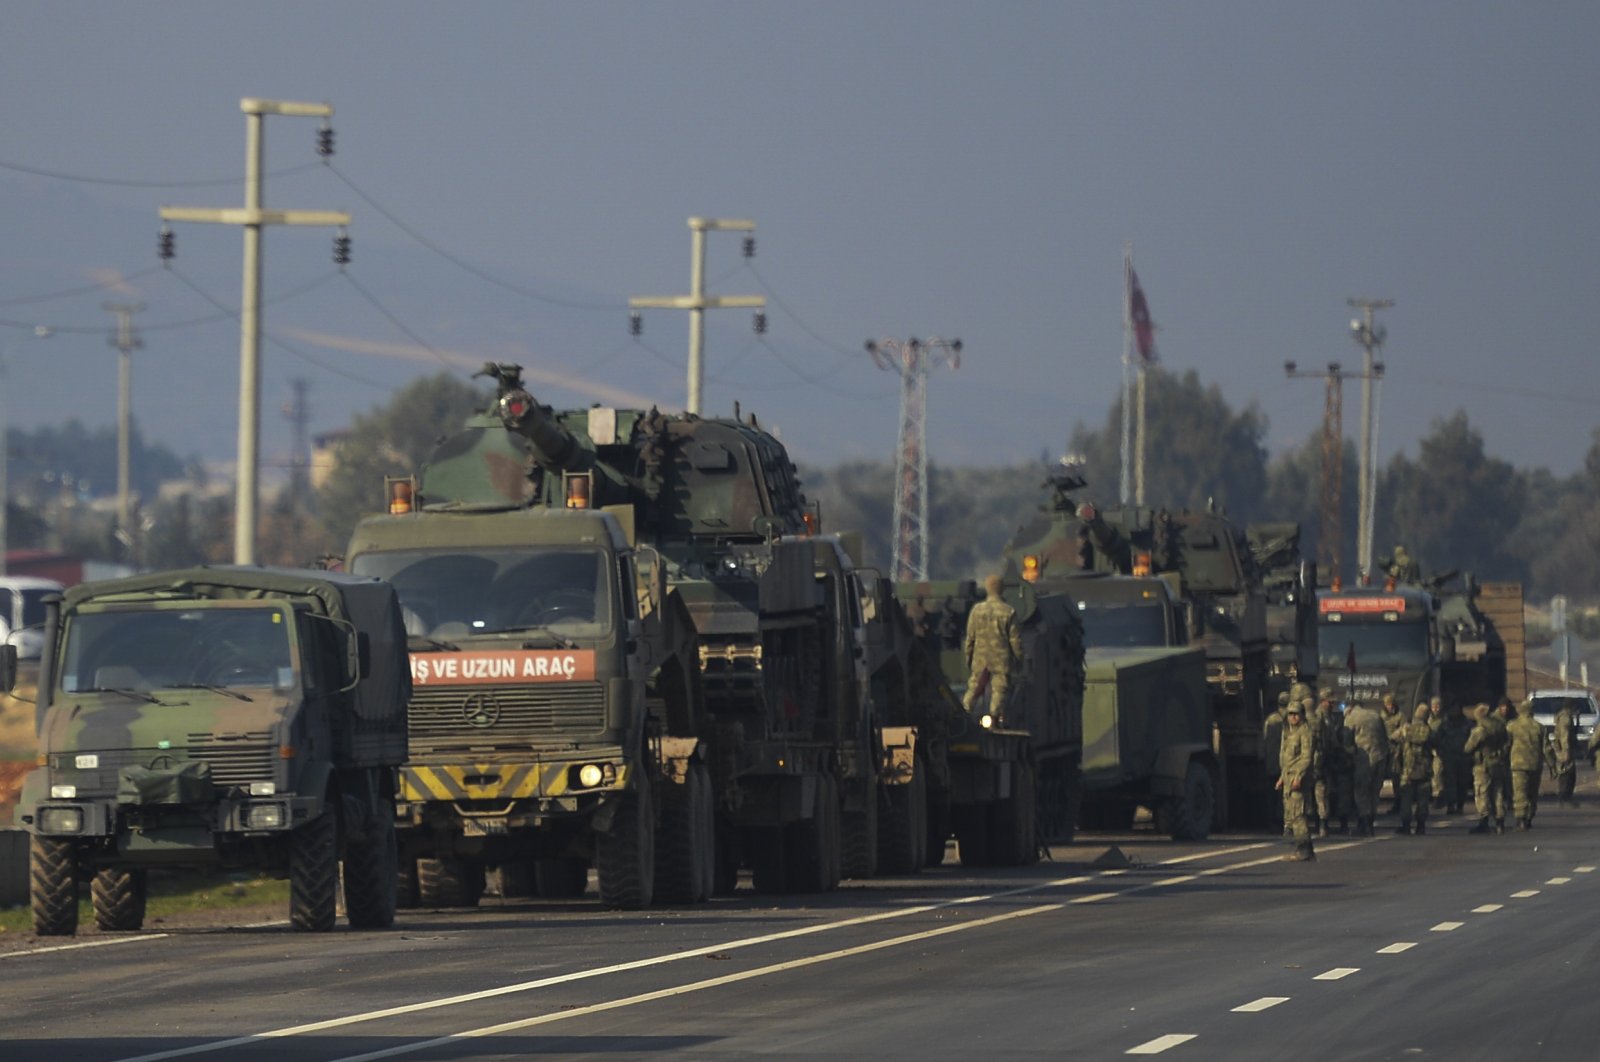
x: 502, y: 666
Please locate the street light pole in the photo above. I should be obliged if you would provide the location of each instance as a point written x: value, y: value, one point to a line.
x: 1369, y: 337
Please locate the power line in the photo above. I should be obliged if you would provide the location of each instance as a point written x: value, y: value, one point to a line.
x: 401, y: 325
x: 842, y: 351
x: 86, y: 289
x: 191, y: 322
x: 125, y: 182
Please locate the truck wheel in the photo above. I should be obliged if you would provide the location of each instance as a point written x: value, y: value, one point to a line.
x: 562, y: 878
x: 1189, y: 815
x: 118, y: 897
x: 53, y: 886
x: 1012, y: 823
x: 370, y: 865
x: 405, y: 884
x: 858, y: 841
x: 812, y: 845
x: 314, y: 874
x: 625, y: 858
x: 449, y: 882
x: 1060, y: 787
x: 903, y: 833
x: 687, y: 828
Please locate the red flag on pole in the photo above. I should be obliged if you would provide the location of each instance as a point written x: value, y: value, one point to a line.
x: 1144, y: 330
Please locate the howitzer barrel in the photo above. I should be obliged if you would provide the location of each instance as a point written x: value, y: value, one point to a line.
x: 555, y: 448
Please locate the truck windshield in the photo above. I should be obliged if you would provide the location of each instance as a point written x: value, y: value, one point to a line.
x: 1113, y: 626
x: 167, y: 648
x: 1376, y: 646
x: 453, y: 593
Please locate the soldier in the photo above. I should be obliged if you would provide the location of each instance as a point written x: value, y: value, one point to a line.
x: 1416, y: 764
x: 1371, y: 758
x: 1394, y: 723
x: 1457, y: 765
x: 1486, y: 746
x: 994, y: 650
x: 1564, y: 752
x: 1297, y: 764
x: 1326, y: 789
x: 1527, y: 763
x: 1271, y: 740
x: 1437, y: 768
x: 1402, y: 569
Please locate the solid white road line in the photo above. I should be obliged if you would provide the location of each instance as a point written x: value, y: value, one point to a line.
x: 1397, y: 947
x: 1338, y: 973
x: 1259, y: 1005
x: 1161, y: 1043
x: 85, y: 944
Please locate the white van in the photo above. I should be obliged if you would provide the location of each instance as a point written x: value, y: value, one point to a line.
x: 22, y: 612
x: 1546, y: 703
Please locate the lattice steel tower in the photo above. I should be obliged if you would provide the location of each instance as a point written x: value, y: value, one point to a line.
x: 912, y: 360
x: 1330, y: 551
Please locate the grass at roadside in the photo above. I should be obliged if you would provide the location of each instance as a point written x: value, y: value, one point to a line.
x: 179, y: 894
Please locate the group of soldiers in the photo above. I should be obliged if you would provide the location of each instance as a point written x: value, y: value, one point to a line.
x: 1332, y: 763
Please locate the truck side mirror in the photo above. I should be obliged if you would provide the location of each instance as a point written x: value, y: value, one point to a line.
x: 8, y: 668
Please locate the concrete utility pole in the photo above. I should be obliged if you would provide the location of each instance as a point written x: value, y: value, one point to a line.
x: 1369, y: 337
x: 126, y: 343
x: 697, y: 301
x: 252, y: 217
x: 1330, y: 539
x: 910, y: 361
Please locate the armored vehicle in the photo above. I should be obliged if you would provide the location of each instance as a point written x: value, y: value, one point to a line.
x: 218, y: 717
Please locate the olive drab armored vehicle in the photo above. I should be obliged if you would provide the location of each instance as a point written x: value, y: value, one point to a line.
x: 218, y: 717
x: 1290, y: 583
x: 718, y: 501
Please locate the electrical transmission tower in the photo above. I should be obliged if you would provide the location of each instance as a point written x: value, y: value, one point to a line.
x: 1330, y: 551
x: 911, y: 361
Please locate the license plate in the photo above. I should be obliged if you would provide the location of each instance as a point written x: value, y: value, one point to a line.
x: 483, y: 827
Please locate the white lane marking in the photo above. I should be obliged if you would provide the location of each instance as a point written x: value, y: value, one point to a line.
x: 1524, y: 894
x: 85, y: 944
x: 1094, y: 897
x: 1338, y: 973
x: 1179, y: 880
x: 1445, y: 927
x: 1583, y: 870
x: 1160, y: 1044
x: 1113, y: 873
x: 1488, y: 908
x: 1259, y: 1005
x: 637, y: 964
x: 1397, y: 947
x: 697, y: 986
x: 1558, y: 881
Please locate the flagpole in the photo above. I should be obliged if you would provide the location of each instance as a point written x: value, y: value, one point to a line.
x: 1138, y: 438
x: 1127, y: 362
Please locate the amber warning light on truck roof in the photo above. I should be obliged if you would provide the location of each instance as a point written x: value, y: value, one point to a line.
x: 1361, y: 604
x: 402, y: 492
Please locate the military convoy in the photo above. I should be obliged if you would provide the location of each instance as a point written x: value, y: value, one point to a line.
x: 218, y: 717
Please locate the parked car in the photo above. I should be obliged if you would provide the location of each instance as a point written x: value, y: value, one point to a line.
x: 1546, y: 703
x: 22, y: 612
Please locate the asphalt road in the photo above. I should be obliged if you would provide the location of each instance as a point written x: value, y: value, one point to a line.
x: 1443, y: 946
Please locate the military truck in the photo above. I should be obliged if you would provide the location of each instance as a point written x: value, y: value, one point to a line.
x: 218, y: 717
x: 999, y: 791
x: 1377, y: 640
x: 556, y: 714
x: 718, y: 501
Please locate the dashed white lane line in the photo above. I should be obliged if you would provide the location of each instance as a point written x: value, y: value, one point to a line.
x: 1397, y: 947
x: 1524, y: 894
x: 1338, y: 973
x: 85, y: 944
x: 1558, y: 881
x: 1488, y: 908
x: 1259, y: 1005
x: 1583, y: 870
x: 1161, y: 1043
x: 1446, y: 927
x: 1095, y: 897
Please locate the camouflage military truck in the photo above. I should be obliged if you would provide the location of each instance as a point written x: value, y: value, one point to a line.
x: 1290, y: 583
x: 718, y: 501
x: 1002, y: 790
x: 218, y: 717
x: 1223, y: 600
x: 556, y: 711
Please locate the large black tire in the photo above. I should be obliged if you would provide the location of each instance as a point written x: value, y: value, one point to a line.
x: 561, y: 878
x: 858, y: 835
x: 405, y: 885
x: 687, y: 831
x: 53, y: 886
x: 118, y: 898
x: 370, y: 865
x: 314, y: 874
x: 903, y: 833
x: 449, y: 882
x: 812, y: 859
x: 625, y: 858
x: 1013, y: 823
x: 1188, y: 817
x: 1060, y: 788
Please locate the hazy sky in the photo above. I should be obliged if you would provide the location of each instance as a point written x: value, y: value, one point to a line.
x: 970, y: 170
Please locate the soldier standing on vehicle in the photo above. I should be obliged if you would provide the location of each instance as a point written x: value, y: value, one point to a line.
x: 1371, y: 758
x: 1416, y: 769
x: 1527, y: 763
x: 1297, y: 764
x: 1394, y: 722
x: 994, y: 651
x: 1564, y: 753
x: 1486, y: 745
x: 1271, y: 741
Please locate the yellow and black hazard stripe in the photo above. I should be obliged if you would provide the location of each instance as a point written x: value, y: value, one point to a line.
x: 500, y: 781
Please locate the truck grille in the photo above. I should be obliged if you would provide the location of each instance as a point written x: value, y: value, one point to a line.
x: 248, y: 759
x: 495, y: 715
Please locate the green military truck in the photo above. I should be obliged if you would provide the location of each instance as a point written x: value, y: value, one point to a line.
x: 556, y: 709
x: 218, y: 717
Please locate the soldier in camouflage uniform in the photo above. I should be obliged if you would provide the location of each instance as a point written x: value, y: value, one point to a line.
x: 1271, y: 741
x: 1416, y: 769
x: 1394, y: 722
x: 1371, y: 758
x: 1297, y: 764
x: 1563, y: 751
x: 1486, y: 745
x: 1527, y: 763
x: 994, y: 645
x: 1335, y: 766
x: 1436, y: 773
x: 1458, y: 772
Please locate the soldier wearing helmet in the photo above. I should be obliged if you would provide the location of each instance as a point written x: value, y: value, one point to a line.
x: 1527, y: 763
x: 1297, y: 762
x: 994, y: 651
x: 1394, y: 724
x: 1416, y: 770
x: 1487, y: 747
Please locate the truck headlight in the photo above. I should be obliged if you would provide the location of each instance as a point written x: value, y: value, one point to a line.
x: 263, y: 789
x: 61, y: 820
x: 263, y: 817
x: 589, y: 775
x: 63, y: 792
